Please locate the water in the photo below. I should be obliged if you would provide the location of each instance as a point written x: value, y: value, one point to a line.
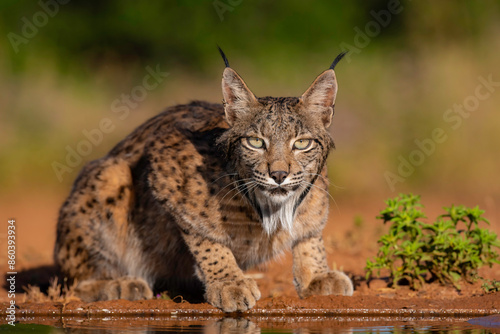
x: 251, y: 325
x: 254, y: 325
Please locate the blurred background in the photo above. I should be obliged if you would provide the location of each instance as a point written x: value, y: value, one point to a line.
x: 417, y: 107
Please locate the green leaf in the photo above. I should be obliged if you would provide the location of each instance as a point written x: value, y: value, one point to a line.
x: 439, y: 250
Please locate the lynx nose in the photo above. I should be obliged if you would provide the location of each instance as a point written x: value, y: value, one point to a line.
x: 279, y: 176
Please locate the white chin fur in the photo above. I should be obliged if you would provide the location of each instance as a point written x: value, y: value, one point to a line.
x: 277, y: 211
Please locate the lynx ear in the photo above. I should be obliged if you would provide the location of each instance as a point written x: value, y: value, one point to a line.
x: 237, y: 97
x: 319, y: 98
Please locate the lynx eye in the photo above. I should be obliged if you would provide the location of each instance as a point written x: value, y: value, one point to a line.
x: 255, y: 142
x: 302, y: 144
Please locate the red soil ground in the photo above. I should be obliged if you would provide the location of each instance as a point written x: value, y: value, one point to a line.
x: 350, y: 239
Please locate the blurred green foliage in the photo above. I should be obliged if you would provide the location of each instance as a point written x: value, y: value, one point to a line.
x: 395, y: 85
x: 185, y: 32
x: 174, y: 32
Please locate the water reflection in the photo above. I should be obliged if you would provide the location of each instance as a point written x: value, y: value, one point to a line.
x: 254, y: 325
x: 231, y: 325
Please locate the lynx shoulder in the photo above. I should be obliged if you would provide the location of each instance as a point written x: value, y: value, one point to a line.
x: 201, y: 192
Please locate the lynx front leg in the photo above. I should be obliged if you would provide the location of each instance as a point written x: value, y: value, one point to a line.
x: 225, y: 285
x: 311, y: 273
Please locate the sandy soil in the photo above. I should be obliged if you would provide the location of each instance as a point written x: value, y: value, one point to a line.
x: 350, y: 239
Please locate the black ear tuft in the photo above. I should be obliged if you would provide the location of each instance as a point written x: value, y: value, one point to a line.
x: 223, y: 56
x: 336, y: 61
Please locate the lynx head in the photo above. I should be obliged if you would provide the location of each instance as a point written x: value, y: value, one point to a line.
x: 278, y: 146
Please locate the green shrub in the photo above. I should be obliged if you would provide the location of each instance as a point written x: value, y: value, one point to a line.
x: 448, y: 250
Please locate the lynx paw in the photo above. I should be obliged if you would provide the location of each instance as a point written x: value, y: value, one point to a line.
x: 331, y: 283
x: 231, y: 296
x: 129, y: 288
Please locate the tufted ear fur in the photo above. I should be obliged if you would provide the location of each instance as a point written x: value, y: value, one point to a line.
x: 237, y: 97
x: 319, y: 98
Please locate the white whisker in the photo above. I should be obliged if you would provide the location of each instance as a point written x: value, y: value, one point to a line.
x: 316, y: 174
x: 237, y: 188
x: 324, y: 190
x: 223, y: 176
x: 326, y: 179
x: 231, y: 184
x: 249, y: 186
